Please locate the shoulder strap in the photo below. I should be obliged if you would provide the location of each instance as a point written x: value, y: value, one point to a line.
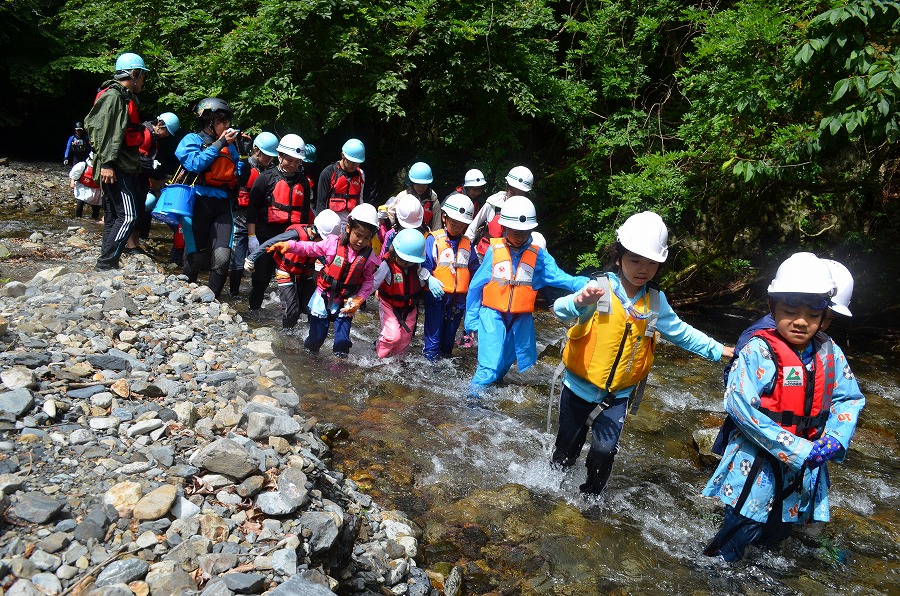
x: 604, y: 305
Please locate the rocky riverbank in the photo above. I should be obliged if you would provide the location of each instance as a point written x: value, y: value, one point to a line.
x: 149, y: 444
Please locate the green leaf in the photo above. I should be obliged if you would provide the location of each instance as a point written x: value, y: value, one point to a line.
x: 835, y: 126
x: 877, y: 78
x: 805, y: 54
x: 884, y: 107
x: 749, y: 170
x: 738, y: 168
x: 840, y: 88
x: 728, y: 163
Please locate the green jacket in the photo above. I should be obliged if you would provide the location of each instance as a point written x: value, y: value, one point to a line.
x: 106, y: 124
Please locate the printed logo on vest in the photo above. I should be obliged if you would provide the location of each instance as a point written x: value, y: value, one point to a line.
x: 398, y: 278
x: 338, y: 261
x: 793, y: 376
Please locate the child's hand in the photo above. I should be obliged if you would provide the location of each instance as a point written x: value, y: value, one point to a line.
x: 249, y: 265
x: 279, y: 247
x: 351, y: 306
x: 435, y: 287
x: 590, y: 294
x: 727, y: 353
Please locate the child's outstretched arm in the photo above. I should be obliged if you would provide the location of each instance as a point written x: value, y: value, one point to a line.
x: 548, y: 273
x: 685, y: 336
x: 250, y: 261
x: 580, y: 305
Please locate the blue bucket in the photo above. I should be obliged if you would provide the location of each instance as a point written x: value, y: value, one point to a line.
x: 176, y: 199
x: 167, y: 218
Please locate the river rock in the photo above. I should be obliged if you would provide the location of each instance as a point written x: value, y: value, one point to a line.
x: 297, y: 585
x: 156, y: 503
x: 123, y: 497
x: 17, y: 377
x: 17, y: 402
x: 225, y: 456
x: 123, y: 571
x: 36, y: 508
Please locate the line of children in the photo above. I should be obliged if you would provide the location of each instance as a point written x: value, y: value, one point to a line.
x: 451, y: 261
x: 618, y: 318
x: 399, y: 288
x: 500, y: 302
x: 344, y: 283
x: 793, y: 403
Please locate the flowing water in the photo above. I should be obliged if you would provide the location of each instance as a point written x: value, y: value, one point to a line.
x: 477, y: 480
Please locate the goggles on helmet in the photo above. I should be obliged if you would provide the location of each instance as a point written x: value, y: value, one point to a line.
x: 813, y: 301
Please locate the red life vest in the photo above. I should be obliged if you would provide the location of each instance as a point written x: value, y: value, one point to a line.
x: 346, y: 189
x: 287, y: 202
x: 146, y: 143
x: 800, y: 399
x: 134, y: 129
x: 404, y: 288
x: 296, y: 264
x: 222, y: 173
x: 492, y: 230
x: 243, y: 196
x: 342, y: 279
x: 87, y: 177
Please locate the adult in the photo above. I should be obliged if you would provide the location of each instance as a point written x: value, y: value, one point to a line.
x: 211, y: 159
x: 151, y: 177
x: 420, y: 178
x: 280, y: 198
x: 115, y: 127
x: 78, y: 147
x: 486, y: 225
x: 341, y: 184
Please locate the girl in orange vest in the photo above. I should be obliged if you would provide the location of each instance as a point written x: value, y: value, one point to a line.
x: 452, y: 262
x: 501, y: 296
x: 399, y: 286
x: 344, y: 283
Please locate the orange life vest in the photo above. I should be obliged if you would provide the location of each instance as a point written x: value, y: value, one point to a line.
x: 134, y: 129
x: 400, y: 291
x: 452, y: 268
x: 346, y: 189
x: 87, y: 177
x: 342, y: 279
x: 296, y: 264
x: 222, y: 173
x: 800, y: 399
x: 287, y: 202
x: 505, y: 292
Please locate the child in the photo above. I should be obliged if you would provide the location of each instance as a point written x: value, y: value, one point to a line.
x: 295, y: 276
x: 610, y: 349
x: 265, y: 148
x: 486, y: 224
x: 399, y: 287
x: 409, y: 216
x: 86, y: 189
x: 451, y: 261
x: 344, y: 283
x: 419, y: 187
x: 501, y: 296
x: 473, y: 186
x: 795, y: 404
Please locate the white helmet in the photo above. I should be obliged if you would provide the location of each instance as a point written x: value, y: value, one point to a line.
x: 410, y: 212
x: 518, y: 213
x: 366, y: 214
x: 459, y: 207
x: 520, y: 177
x: 843, y: 279
x: 327, y: 223
x: 538, y: 239
x: 803, y: 273
x: 474, y: 178
x: 292, y: 146
x: 645, y: 234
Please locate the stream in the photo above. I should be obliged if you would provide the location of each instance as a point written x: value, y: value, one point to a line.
x: 478, y: 483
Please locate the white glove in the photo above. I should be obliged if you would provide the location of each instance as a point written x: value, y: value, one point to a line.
x: 252, y: 243
x: 249, y: 265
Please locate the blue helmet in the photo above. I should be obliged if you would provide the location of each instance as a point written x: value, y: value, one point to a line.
x: 171, y: 121
x: 130, y: 61
x: 267, y: 143
x: 409, y: 244
x: 420, y: 173
x: 309, y: 155
x: 354, y: 151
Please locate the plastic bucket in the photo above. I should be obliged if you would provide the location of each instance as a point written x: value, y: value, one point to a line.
x: 176, y: 199
x: 167, y: 218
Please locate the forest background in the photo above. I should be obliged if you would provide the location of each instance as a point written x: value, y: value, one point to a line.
x: 755, y: 128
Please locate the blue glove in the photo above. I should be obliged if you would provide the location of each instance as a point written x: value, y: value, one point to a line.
x: 436, y: 287
x: 823, y: 450
x: 252, y: 243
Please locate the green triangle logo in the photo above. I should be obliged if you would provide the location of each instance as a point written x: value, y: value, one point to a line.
x: 793, y: 376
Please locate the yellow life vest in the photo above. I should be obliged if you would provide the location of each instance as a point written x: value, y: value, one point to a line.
x: 614, y: 350
x: 452, y: 269
x: 505, y: 292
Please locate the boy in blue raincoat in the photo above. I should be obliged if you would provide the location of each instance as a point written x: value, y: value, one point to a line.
x: 795, y: 404
x: 500, y: 303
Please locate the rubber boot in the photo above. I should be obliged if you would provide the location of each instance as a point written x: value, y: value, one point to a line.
x: 235, y: 281
x: 193, y: 262
x: 599, y: 469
